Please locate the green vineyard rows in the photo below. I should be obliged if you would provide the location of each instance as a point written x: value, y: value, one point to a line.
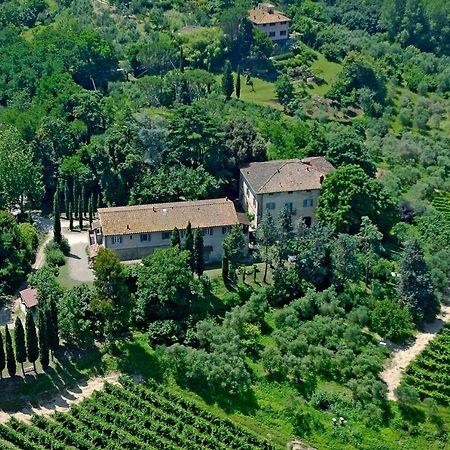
x: 129, y: 416
x: 429, y: 374
x: 441, y: 202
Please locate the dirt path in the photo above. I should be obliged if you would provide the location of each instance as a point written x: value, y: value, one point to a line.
x: 393, y: 371
x: 63, y: 400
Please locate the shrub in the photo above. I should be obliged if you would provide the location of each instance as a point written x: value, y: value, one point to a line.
x: 54, y: 255
x: 391, y: 321
x: 65, y: 246
x: 164, y: 332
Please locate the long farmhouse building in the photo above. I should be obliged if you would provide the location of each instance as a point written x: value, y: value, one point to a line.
x: 134, y: 232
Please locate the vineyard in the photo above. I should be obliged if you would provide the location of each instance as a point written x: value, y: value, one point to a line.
x: 441, y: 202
x: 429, y: 374
x: 129, y: 416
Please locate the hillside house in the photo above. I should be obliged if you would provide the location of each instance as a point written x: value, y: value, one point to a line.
x: 133, y: 232
x: 28, y: 300
x: 273, y: 185
x: 274, y: 23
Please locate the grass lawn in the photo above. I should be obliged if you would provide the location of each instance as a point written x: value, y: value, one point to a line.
x: 327, y: 70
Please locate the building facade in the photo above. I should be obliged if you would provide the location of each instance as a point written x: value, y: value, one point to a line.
x: 271, y: 22
x: 274, y: 185
x: 134, y: 232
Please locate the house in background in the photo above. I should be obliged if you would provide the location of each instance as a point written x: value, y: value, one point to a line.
x: 134, y: 232
x: 28, y: 300
x: 274, y: 185
x: 274, y: 23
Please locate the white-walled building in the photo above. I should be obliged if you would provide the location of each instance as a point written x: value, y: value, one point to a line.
x: 274, y: 23
x: 134, y: 232
x: 274, y: 185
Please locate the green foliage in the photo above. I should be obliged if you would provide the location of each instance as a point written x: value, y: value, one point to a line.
x: 175, y: 239
x: 43, y: 339
x: 31, y: 339
x: 285, y: 90
x: 2, y: 356
x: 54, y: 255
x: 189, y: 245
x: 19, y: 343
x: 392, y: 321
x: 57, y: 236
x: 10, y: 357
x: 227, y: 81
x: 198, y: 252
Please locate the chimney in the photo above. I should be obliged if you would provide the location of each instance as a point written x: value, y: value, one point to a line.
x: 321, y: 179
x: 128, y: 227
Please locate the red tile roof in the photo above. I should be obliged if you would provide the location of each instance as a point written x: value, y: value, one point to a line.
x: 29, y: 297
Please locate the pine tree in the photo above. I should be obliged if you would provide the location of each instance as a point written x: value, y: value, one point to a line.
x: 31, y: 339
x: 2, y: 357
x: 227, y: 81
x: 238, y: 83
x: 80, y: 213
x: 43, y: 340
x: 198, y: 252
x: 57, y: 236
x: 189, y: 244
x: 225, y: 268
x: 51, y: 323
x: 10, y: 358
x: 19, y: 343
x: 66, y: 198
x: 175, y: 238
x: 70, y: 217
x: 90, y: 211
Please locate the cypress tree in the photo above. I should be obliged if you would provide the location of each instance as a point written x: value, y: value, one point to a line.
x: 51, y: 321
x: 80, y: 212
x: 189, y: 244
x: 175, y: 238
x: 75, y: 198
x: 57, y: 236
x: 43, y: 340
x: 90, y: 211
x: 19, y: 343
x: 227, y: 81
x: 225, y: 268
x: 10, y: 358
x: 66, y: 198
x: 95, y: 202
x: 198, y: 252
x: 70, y: 217
x: 2, y: 357
x: 238, y: 83
x: 83, y: 200
x: 31, y: 339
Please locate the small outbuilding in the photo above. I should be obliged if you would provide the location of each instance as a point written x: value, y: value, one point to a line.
x: 28, y: 299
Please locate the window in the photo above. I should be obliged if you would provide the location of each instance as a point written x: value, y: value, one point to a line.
x: 283, y: 33
x: 308, y: 221
x: 290, y: 192
x: 208, y: 231
x: 270, y: 205
x: 182, y: 233
x: 225, y: 230
x: 117, y: 239
x: 165, y: 235
x: 308, y: 202
x: 254, y: 201
x: 289, y: 206
x: 272, y: 34
x: 272, y: 24
x: 146, y: 237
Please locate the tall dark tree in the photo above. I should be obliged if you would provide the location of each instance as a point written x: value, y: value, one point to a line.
x: 19, y: 343
x: 75, y: 198
x: 70, y: 216
x: 51, y: 321
x: 175, y: 238
x: 90, y: 211
x: 238, y: 83
x: 225, y: 268
x: 31, y: 339
x: 227, y: 81
x: 95, y: 202
x: 43, y: 340
x: 2, y: 356
x: 189, y: 244
x: 198, y: 252
x: 10, y: 358
x: 57, y: 236
x: 414, y: 288
x: 66, y: 198
x: 83, y: 200
x: 234, y: 246
x: 266, y: 236
x: 80, y: 212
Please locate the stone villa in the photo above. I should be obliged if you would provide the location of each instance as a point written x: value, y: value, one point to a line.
x: 273, y: 185
x: 133, y: 232
x: 274, y: 23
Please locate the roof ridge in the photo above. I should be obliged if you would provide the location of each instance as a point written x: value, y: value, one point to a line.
x: 288, y: 161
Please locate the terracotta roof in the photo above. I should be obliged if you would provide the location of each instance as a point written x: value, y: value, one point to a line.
x: 286, y: 175
x: 260, y: 16
x: 166, y: 216
x: 29, y: 297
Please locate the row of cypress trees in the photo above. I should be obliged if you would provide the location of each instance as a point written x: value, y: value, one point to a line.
x: 30, y: 343
x: 193, y: 243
